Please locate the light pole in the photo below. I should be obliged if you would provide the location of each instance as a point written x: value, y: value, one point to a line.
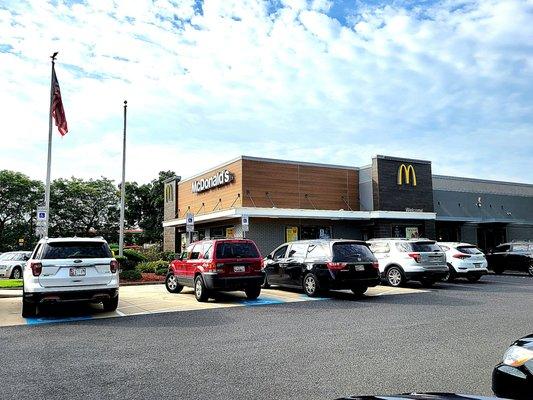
x: 123, y: 187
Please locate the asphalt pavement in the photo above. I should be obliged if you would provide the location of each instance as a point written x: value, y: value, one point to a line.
x: 447, y: 339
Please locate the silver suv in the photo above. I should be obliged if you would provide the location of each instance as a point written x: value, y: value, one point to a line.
x: 70, y: 269
x: 401, y: 260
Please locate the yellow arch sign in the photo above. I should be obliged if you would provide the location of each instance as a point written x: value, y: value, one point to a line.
x: 406, y: 172
x: 169, y: 193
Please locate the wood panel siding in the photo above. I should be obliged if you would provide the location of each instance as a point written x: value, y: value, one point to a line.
x: 205, y: 202
x: 294, y: 185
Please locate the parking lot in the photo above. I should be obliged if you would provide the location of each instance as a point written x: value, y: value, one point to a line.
x: 152, y: 299
x: 447, y: 338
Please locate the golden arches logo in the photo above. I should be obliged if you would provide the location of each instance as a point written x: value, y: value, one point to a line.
x: 169, y: 192
x: 406, y: 172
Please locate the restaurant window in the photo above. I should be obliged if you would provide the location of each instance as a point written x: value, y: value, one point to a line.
x: 315, y: 232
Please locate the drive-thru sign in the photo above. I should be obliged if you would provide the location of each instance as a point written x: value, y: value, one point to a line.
x: 245, y: 223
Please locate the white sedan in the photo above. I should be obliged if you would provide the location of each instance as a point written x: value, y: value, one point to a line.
x: 12, y: 264
x: 464, y: 261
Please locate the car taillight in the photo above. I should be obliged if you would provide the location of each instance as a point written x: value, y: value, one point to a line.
x: 336, y: 265
x: 375, y: 265
x: 113, y: 266
x: 415, y: 256
x: 461, y: 256
x: 36, y: 268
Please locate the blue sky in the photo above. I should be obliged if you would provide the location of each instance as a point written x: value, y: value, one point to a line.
x: 321, y: 81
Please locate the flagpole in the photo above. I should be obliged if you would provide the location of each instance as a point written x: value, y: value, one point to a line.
x: 49, y: 160
x: 123, y: 187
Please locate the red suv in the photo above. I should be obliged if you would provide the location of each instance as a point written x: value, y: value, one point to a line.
x: 222, y: 264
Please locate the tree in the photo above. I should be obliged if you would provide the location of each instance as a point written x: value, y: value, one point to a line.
x: 19, y: 197
x: 77, y: 207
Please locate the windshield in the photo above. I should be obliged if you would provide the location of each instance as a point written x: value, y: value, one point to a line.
x: 76, y: 250
x: 469, y: 250
x: 523, y: 247
x: 236, y: 250
x: 343, y: 252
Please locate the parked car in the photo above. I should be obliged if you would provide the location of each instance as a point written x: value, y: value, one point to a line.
x: 464, y: 261
x: 12, y: 263
x: 320, y: 265
x: 401, y: 260
x: 217, y: 265
x: 513, y: 377
x: 517, y: 256
x: 70, y: 269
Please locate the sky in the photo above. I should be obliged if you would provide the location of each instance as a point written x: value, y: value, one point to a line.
x: 335, y: 81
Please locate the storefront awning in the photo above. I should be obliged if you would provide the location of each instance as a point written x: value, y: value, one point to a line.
x: 301, y: 214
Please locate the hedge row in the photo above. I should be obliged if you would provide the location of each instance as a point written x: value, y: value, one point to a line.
x: 159, y: 267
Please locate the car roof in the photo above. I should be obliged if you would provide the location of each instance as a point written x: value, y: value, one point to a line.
x: 401, y: 240
x: 326, y: 241
x: 72, y: 239
x: 456, y: 244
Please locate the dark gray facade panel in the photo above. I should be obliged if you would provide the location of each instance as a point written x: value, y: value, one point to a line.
x: 469, y: 233
x: 393, y: 196
x: 366, y: 199
x: 463, y: 206
x: 520, y: 232
x: 458, y: 184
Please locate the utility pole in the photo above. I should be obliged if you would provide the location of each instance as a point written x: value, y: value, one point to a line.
x: 123, y: 187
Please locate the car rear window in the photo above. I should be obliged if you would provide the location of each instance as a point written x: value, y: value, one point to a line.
x: 469, y: 250
x: 523, y: 247
x: 76, y: 250
x: 345, y: 252
x: 422, y: 247
x: 236, y: 250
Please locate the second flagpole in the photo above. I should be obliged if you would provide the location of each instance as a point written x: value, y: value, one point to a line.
x: 49, y: 159
x: 123, y: 187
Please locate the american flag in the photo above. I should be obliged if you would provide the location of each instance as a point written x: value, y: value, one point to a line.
x: 58, y: 112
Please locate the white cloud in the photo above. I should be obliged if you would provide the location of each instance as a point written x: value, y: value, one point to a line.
x: 446, y: 83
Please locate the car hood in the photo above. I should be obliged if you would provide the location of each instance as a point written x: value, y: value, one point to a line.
x: 422, y: 396
x: 526, y: 341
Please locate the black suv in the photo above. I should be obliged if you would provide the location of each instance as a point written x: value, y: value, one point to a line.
x: 516, y: 256
x: 319, y: 265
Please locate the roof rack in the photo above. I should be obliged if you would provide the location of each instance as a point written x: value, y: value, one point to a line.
x: 406, y: 239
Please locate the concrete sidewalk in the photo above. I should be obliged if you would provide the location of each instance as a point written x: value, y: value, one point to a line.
x: 10, y: 293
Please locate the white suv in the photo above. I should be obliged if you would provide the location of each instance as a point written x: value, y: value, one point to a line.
x: 401, y: 260
x: 70, y: 269
x: 464, y: 260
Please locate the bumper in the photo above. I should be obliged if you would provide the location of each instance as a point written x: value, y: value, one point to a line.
x: 512, y: 382
x: 472, y: 272
x: 436, y: 274
x: 215, y: 282
x: 71, y: 296
x: 347, y: 280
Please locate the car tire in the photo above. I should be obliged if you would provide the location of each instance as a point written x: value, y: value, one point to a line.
x: 253, y: 292
x: 29, y: 309
x: 16, y: 273
x: 111, y: 304
x: 473, y: 278
x: 359, y: 290
x: 394, y: 276
x: 200, y: 291
x: 450, y: 277
x: 310, y: 285
x: 171, y: 283
x: 265, y: 284
x: 498, y: 270
x: 530, y: 269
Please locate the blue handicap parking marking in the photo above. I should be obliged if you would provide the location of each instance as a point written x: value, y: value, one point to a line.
x: 262, y: 301
x: 54, y: 320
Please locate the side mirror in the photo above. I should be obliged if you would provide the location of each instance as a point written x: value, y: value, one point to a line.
x: 269, y: 257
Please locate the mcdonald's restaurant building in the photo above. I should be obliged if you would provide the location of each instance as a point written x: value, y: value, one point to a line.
x: 391, y: 197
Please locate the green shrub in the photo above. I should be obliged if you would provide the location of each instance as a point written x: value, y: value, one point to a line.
x: 152, y: 253
x: 162, y: 271
x: 133, y: 255
x: 168, y: 256
x: 146, y: 266
x: 131, y: 275
x: 125, y: 264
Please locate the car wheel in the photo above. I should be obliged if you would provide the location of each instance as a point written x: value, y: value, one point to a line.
x: 427, y: 282
x: 530, y: 269
x: 310, y: 285
x: 200, y: 291
x: 395, y: 277
x: 171, y: 283
x: 498, y: 270
x: 16, y: 273
x: 473, y: 278
x: 253, y: 292
x: 450, y: 276
x: 29, y: 309
x: 111, y: 304
x: 359, y: 290
x: 265, y: 284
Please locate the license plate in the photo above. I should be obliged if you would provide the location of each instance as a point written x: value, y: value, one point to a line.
x: 77, y: 272
x: 239, y: 268
x: 477, y: 265
x: 359, y: 268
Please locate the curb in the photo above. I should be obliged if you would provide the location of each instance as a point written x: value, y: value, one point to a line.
x: 141, y: 283
x: 4, y: 293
